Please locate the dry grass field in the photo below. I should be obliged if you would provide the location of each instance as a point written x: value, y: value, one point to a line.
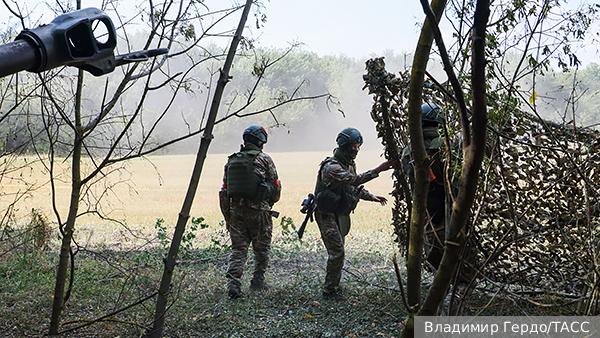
x: 143, y: 190
x: 147, y: 189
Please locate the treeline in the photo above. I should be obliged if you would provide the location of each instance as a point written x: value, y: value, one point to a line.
x: 571, y: 96
x: 305, y: 125
x: 301, y: 126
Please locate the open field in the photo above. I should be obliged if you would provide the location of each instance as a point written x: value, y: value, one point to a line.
x: 147, y: 189
x: 154, y: 188
x: 112, y: 269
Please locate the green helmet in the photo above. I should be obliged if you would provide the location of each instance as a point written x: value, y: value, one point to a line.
x: 255, y: 134
x: 431, y: 112
x: 349, y: 136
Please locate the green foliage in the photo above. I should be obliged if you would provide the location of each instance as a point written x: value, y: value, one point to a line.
x: 161, y: 234
x: 288, y: 244
x: 187, y: 245
x: 288, y: 230
x: 292, y: 307
x: 189, y: 249
x: 26, y: 266
x: 39, y: 230
x: 26, y: 241
x: 218, y: 243
x: 187, y: 31
x: 187, y: 238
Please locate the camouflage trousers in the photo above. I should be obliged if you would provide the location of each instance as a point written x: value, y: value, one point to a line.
x: 249, y: 226
x: 334, y: 242
x: 433, y: 247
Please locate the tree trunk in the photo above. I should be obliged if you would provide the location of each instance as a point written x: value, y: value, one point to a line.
x: 170, y: 260
x: 421, y: 161
x: 473, y: 156
x: 69, y: 227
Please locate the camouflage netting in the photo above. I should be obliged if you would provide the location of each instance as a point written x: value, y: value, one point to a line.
x: 536, y: 213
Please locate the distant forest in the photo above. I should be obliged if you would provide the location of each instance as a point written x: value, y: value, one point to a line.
x: 307, y: 125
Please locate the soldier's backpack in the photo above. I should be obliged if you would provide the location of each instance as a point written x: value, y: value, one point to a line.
x: 241, y: 179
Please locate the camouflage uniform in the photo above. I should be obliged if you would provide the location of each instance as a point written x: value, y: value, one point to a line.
x: 250, y: 221
x: 436, y: 195
x: 435, y: 230
x: 334, y: 172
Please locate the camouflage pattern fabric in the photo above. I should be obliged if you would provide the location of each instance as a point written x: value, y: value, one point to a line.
x: 250, y: 222
x: 334, y: 174
x: 334, y: 242
x: 435, y: 231
x: 249, y: 226
x: 264, y: 167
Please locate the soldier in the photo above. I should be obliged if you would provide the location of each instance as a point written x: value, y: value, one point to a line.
x: 337, y: 192
x: 431, y: 119
x: 435, y: 229
x: 250, y: 189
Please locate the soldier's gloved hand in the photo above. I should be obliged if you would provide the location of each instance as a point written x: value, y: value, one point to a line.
x: 380, y: 199
x: 387, y: 165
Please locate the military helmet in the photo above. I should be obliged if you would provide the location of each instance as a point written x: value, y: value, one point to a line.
x: 349, y: 136
x: 255, y: 133
x: 431, y: 112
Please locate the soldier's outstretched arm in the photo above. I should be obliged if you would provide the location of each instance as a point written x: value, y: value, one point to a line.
x: 366, y: 195
x: 387, y: 165
x: 333, y: 173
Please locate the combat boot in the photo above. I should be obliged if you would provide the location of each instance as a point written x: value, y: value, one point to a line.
x: 234, y: 292
x: 258, y: 286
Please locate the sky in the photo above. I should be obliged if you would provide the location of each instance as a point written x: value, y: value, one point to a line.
x: 358, y: 28
x: 353, y: 28
x: 326, y: 27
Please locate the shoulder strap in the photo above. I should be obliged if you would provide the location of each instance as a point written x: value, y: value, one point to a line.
x: 319, y: 184
x: 331, y: 159
x: 328, y: 159
x: 253, y: 153
x: 325, y: 161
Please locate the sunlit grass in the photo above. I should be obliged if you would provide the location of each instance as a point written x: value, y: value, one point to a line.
x: 146, y: 189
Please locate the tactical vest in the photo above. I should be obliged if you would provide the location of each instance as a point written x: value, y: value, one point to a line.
x: 241, y: 179
x: 340, y: 199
